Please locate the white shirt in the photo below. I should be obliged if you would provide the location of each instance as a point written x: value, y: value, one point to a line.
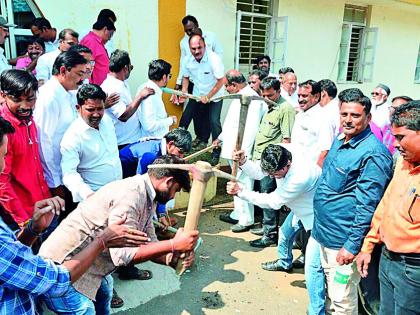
x: 310, y: 132
x: 331, y: 118
x: 291, y: 99
x: 152, y: 113
x: 205, y: 73
x: 380, y: 115
x: 211, y: 42
x: 296, y: 190
x: 129, y: 131
x: 45, y: 64
x: 55, y: 110
x: 4, y: 64
x: 50, y: 46
x: 90, y: 157
x: 256, y: 111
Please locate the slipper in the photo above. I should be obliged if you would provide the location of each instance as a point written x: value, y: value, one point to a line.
x: 136, y: 274
x: 116, y: 301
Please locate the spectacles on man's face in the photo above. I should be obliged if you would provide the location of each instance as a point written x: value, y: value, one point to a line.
x: 375, y: 94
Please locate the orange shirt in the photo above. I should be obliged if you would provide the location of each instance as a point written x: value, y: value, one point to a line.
x: 396, y: 221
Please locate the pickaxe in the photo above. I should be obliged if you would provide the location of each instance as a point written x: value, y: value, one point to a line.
x: 201, y: 173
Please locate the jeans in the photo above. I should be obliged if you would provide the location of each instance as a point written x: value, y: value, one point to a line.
x: 270, y: 216
x: 314, y: 277
x: 399, y: 286
x: 75, y: 303
x: 287, y: 233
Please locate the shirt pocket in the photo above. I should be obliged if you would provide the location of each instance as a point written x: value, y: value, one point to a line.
x: 268, y: 129
x: 336, y: 178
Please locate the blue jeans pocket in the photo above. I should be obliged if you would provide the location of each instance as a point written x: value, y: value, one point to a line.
x: 412, y: 273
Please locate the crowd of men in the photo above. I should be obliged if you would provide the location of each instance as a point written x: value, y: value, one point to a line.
x: 336, y: 172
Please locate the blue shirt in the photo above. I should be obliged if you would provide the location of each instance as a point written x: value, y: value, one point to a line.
x: 354, y: 177
x: 24, y: 276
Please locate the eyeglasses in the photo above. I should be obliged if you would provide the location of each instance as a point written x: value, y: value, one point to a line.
x: 375, y: 94
x: 92, y: 63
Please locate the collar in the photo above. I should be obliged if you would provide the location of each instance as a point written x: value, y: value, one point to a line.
x: 163, y: 146
x: 151, y: 193
x: 59, y: 87
x: 412, y: 170
x: 96, y: 37
x: 357, y: 139
x: 154, y: 86
x: 205, y: 57
x: 84, y: 126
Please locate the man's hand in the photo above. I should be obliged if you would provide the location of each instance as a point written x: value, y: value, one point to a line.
x: 363, y: 261
x: 344, y: 257
x: 111, y: 100
x: 216, y: 143
x: 233, y: 188
x: 174, y: 99
x: 204, y: 99
x: 118, y: 235
x: 239, y: 156
x: 44, y: 212
x: 145, y: 93
x: 185, y: 240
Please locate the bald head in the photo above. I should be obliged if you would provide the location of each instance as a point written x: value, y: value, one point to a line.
x: 289, y: 83
x: 234, y: 81
x: 197, y: 47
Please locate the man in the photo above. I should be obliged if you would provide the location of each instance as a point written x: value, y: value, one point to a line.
x: 41, y: 27
x: 354, y: 176
x: 87, y: 54
x: 207, y: 86
x: 255, y: 78
x: 4, y: 33
x: 152, y: 114
x: 126, y: 123
x: 25, y: 276
x: 396, y: 221
x: 89, y: 151
x: 296, y: 184
x: 380, y: 106
x: 275, y: 127
x: 35, y: 47
x: 137, y: 156
x: 67, y: 38
x: 236, y: 84
x: 283, y: 71
x: 397, y: 101
x: 102, y: 32
x: 54, y: 111
x: 22, y: 179
x: 263, y: 63
x: 289, y: 89
x: 134, y: 197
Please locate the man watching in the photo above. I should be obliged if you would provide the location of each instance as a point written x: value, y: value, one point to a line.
x: 289, y: 89
x: 354, y: 176
x: 283, y: 71
x: 35, y: 48
x: 41, y: 27
x: 67, y: 38
x: 396, y: 221
x: 255, y: 78
x: 380, y: 106
x: 134, y: 197
x: 263, y: 63
x: 4, y: 33
x: 126, y: 123
x: 24, y: 276
x: 152, y: 114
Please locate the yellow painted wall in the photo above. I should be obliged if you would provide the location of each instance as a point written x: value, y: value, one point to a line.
x: 171, y: 31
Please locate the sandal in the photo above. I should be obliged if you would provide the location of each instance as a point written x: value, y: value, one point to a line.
x: 133, y: 273
x: 116, y: 301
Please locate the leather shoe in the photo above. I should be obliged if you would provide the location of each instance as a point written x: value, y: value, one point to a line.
x: 299, y: 263
x: 257, y: 231
x: 239, y: 228
x: 226, y: 218
x: 263, y: 242
x: 275, y: 266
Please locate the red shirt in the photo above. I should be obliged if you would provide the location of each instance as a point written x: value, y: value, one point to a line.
x: 100, y: 56
x: 22, y: 181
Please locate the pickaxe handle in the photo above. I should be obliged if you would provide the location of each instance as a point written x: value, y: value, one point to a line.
x: 198, y: 153
x: 239, y: 138
x: 180, y: 93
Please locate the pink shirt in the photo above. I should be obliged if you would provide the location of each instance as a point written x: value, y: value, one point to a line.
x: 100, y: 56
x: 22, y: 63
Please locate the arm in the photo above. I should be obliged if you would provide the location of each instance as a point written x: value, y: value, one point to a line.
x: 182, y: 61
x: 287, y: 122
x: 253, y: 169
x: 253, y: 119
x: 215, y: 89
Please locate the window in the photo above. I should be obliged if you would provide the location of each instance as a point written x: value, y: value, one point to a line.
x: 20, y: 12
x: 417, y: 74
x: 258, y: 33
x: 357, y: 46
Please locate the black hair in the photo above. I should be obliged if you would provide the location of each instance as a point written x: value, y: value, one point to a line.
x: 355, y: 95
x: 62, y: 34
x: 260, y: 73
x: 274, y: 158
x: 259, y: 58
x: 80, y: 49
x: 328, y: 86
x: 285, y: 70
x: 316, y: 87
x: 180, y: 176
x: 403, y: 97
x: 41, y: 23
x: 182, y: 139
x: 68, y: 59
x: 158, y: 68
x: 32, y: 39
x: 5, y: 128
x: 101, y: 23
x: 90, y: 92
x: 234, y: 77
x: 118, y: 60
x: 16, y: 82
x: 407, y: 115
x: 189, y: 18
x: 270, y: 82
x: 107, y: 14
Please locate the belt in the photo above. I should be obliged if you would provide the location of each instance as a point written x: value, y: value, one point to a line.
x: 410, y: 258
